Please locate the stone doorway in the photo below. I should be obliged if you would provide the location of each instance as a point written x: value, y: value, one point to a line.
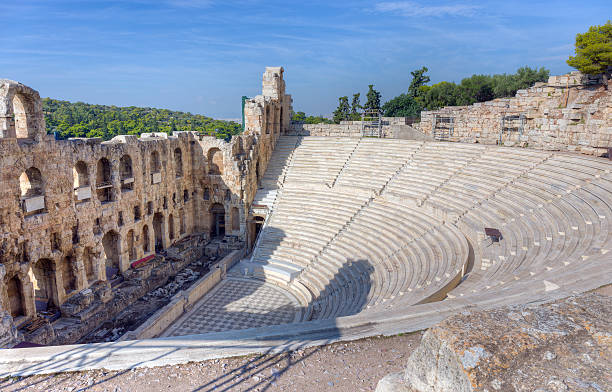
x: 217, y: 227
x: 44, y: 285
x: 110, y: 242
x: 15, y: 297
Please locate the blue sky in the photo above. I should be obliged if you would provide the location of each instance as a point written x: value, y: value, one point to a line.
x: 201, y: 56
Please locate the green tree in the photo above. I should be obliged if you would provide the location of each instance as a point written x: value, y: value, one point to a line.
x: 372, y: 99
x: 594, y: 51
x: 342, y: 112
x: 356, y: 107
x: 403, y: 105
x: 418, y: 79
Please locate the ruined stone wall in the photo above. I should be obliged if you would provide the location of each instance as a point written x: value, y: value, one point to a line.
x: 570, y: 112
x: 74, y: 212
x: 391, y: 126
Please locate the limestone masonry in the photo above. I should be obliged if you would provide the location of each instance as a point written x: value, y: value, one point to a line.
x: 294, y: 235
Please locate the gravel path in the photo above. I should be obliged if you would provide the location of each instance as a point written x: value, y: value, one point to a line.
x: 350, y: 366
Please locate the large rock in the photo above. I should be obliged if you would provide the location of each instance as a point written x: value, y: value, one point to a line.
x: 561, y: 346
x: 9, y: 335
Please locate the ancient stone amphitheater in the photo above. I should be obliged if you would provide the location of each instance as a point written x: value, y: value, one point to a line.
x: 377, y: 236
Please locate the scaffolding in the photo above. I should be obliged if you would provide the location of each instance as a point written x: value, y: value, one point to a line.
x: 371, y: 124
x: 443, y: 127
x: 511, y: 124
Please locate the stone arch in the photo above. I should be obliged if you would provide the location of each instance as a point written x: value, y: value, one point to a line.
x: 112, y: 253
x: 21, y: 114
x: 126, y: 173
x: 235, y: 217
x: 44, y: 281
x: 80, y: 174
x: 171, y: 226
x: 178, y: 162
x: 146, y: 242
x: 206, y: 195
x: 130, y: 245
x: 104, y: 182
x: 215, y: 161
x: 31, y: 183
x: 217, y: 224
x: 158, y: 229
x: 14, y: 290
x: 68, y: 276
x: 155, y: 162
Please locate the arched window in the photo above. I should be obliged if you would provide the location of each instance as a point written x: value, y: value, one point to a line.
x: 104, y: 184
x: 32, y: 191
x: 217, y: 224
x: 15, y: 297
x: 235, y: 219
x: 43, y: 279
x: 215, y: 161
x: 185, y: 195
x: 155, y: 168
x: 268, y: 122
x: 126, y: 173
x: 111, y: 243
x: 158, y: 229
x: 178, y: 162
x: 80, y: 174
x: 22, y: 107
x: 31, y: 183
x: 206, y: 194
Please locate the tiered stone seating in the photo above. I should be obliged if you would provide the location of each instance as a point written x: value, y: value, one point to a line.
x: 430, y: 167
x: 375, y: 161
x: 401, y: 221
x: 301, y: 225
x: 278, y: 164
x: 320, y: 159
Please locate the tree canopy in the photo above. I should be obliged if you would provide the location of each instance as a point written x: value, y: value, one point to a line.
x: 85, y: 120
x: 476, y: 88
x: 593, y: 51
x: 343, y: 111
x: 372, y: 99
x: 301, y: 117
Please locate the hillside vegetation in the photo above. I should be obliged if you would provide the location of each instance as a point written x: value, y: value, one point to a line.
x: 85, y: 120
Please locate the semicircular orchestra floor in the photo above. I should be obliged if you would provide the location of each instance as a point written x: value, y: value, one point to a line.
x: 237, y: 303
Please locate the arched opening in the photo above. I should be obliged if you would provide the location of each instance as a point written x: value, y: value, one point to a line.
x: 258, y: 223
x: 104, y: 184
x: 80, y: 175
x: 43, y: 280
x: 130, y: 245
x: 68, y: 275
x: 111, y: 244
x: 171, y: 226
x: 31, y: 183
x: 235, y: 214
x: 126, y: 173
x: 181, y: 222
x: 146, y: 242
x: 206, y: 194
x: 178, y: 162
x: 215, y: 161
x: 280, y: 127
x: 155, y: 168
x: 90, y: 268
x: 21, y: 108
x: 267, y: 120
x: 185, y: 195
x: 217, y: 226
x: 257, y: 171
x: 15, y: 297
x: 32, y: 191
x: 158, y: 228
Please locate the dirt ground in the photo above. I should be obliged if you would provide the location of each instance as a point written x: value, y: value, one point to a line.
x: 347, y: 366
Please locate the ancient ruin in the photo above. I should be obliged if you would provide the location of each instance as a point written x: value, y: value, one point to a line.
x: 335, y: 235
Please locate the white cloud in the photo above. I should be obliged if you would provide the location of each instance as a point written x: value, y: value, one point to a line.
x: 410, y: 8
